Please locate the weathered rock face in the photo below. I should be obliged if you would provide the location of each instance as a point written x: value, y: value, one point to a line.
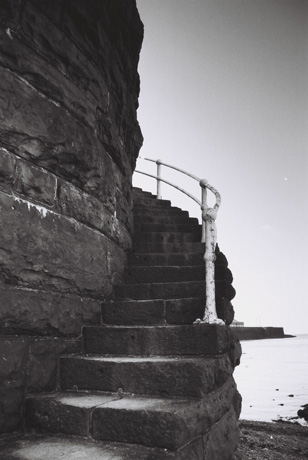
x: 69, y: 139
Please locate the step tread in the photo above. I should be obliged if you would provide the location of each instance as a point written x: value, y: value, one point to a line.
x: 166, y: 376
x: 158, y: 340
x: 129, y: 402
x: 169, y: 423
x: 168, y: 248
x: 124, y: 359
x: 157, y: 311
x: 50, y: 447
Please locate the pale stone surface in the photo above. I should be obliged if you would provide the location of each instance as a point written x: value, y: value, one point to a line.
x: 38, y: 447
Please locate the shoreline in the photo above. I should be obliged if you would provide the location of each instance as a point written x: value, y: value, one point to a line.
x: 277, y: 440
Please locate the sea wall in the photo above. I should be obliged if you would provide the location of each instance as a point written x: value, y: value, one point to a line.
x: 256, y: 333
x: 69, y: 139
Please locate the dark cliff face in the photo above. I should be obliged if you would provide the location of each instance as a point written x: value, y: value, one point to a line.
x: 69, y: 139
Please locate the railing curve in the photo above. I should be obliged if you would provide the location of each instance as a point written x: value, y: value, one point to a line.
x: 209, y: 233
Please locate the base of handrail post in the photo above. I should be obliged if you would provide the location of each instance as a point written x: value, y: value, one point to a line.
x: 209, y: 318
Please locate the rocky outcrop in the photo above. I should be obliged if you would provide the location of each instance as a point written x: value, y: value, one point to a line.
x: 69, y: 139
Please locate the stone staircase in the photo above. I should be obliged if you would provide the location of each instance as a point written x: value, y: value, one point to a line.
x: 150, y: 384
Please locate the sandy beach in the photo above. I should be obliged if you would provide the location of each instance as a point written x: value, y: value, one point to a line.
x: 272, y: 441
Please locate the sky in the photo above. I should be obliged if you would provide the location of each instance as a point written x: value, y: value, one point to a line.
x: 224, y: 95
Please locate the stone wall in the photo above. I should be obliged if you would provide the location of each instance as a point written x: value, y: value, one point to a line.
x: 69, y: 139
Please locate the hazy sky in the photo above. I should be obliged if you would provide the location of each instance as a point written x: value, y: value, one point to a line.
x: 224, y: 95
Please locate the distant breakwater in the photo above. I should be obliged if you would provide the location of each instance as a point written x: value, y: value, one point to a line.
x: 256, y: 333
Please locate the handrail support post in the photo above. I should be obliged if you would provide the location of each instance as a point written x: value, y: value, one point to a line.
x: 159, y: 196
x: 203, y: 208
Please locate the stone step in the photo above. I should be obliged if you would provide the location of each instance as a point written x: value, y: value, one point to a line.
x: 167, y: 227
x: 144, y: 201
x: 177, y: 259
x: 196, y: 339
x: 166, y: 376
x: 159, y: 211
x: 153, y: 312
x: 170, y: 290
x: 164, y: 274
x: 179, y: 247
x: 149, y: 291
x: 167, y: 237
x: 139, y: 192
x: 145, y: 270
x: 167, y: 423
x: 164, y: 219
x: 37, y: 446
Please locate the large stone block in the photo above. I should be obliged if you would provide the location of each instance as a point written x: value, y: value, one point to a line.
x: 13, y: 359
x: 221, y: 442
x: 45, y: 313
x: 10, y: 12
x: 85, y: 208
x: 43, y: 250
x: 38, y: 130
x: 43, y: 360
x: 35, y: 184
x: 7, y: 170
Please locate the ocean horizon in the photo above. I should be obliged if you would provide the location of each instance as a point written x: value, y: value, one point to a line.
x: 273, y: 378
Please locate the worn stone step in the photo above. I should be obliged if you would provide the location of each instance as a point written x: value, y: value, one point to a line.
x: 139, y: 192
x: 184, y: 311
x: 196, y: 339
x: 167, y: 227
x: 167, y: 237
x: 177, y: 259
x: 140, y: 265
x: 170, y: 290
x: 164, y: 219
x: 166, y: 376
x: 164, y: 274
x: 149, y: 291
x: 178, y: 247
x: 144, y: 201
x: 159, y: 211
x: 37, y: 446
x: 168, y: 423
x: 134, y: 312
x: 151, y: 312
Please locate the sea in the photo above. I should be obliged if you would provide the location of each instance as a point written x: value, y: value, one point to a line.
x: 273, y: 379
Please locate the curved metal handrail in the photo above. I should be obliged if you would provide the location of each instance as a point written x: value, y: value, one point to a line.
x: 172, y: 185
x: 203, y: 184
x: 209, y: 234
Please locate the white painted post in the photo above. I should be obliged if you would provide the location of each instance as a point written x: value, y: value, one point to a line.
x: 203, y: 208
x: 209, y: 216
x: 158, y: 162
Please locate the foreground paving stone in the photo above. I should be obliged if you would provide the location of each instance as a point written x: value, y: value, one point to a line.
x: 40, y: 447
